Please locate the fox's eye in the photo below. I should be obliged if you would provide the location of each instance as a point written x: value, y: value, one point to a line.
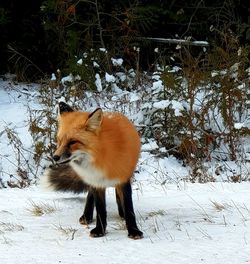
x: 72, y: 142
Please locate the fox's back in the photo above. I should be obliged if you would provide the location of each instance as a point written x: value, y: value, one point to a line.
x: 120, y: 146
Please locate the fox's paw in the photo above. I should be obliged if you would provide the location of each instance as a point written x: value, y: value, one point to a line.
x: 97, y: 232
x: 135, y: 233
x: 84, y: 220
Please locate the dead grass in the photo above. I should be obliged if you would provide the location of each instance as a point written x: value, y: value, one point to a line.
x: 119, y: 225
x: 68, y: 231
x: 218, y: 206
x: 39, y: 209
x: 10, y: 227
x: 156, y: 213
x: 6, y: 240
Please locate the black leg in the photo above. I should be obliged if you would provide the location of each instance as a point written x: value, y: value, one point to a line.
x: 87, y: 216
x: 101, y: 213
x: 126, y: 191
x: 119, y: 196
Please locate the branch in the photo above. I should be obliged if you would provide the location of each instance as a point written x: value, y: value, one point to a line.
x: 178, y: 41
x: 15, y: 52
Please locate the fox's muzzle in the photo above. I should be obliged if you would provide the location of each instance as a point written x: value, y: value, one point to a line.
x: 56, y: 157
x: 63, y: 158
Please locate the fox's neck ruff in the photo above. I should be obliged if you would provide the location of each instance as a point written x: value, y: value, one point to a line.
x: 95, y: 177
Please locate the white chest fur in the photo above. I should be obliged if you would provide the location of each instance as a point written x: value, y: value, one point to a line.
x: 91, y: 175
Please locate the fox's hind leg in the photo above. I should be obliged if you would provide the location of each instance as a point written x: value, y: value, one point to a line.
x: 87, y: 216
x: 125, y: 193
x: 101, y: 213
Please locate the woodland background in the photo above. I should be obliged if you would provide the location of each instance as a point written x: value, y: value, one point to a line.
x: 39, y: 37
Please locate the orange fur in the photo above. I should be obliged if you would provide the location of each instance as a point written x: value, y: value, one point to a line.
x: 110, y: 140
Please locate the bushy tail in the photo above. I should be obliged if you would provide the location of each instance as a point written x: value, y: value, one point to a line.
x: 63, y: 178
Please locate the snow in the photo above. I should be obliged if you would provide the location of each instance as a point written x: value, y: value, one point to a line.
x: 103, y: 50
x: 122, y: 76
x: 68, y: 78
x: 134, y: 97
x: 137, y: 49
x: 117, y: 62
x: 175, y: 69
x: 98, y: 82
x: 96, y: 65
x: 115, y: 89
x: 214, y: 73
x: 132, y: 73
x: 157, y: 86
x: 177, y: 106
x: 161, y: 104
x: 189, y: 223
x: 238, y: 125
x: 80, y: 61
x: 156, y: 76
x: 109, y: 78
x: 151, y: 145
x: 182, y: 222
x: 53, y: 77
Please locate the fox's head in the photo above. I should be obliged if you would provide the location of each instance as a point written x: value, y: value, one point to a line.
x: 77, y: 133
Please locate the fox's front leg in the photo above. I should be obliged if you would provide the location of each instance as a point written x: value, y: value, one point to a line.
x: 119, y: 203
x: 101, y: 213
x: 87, y: 216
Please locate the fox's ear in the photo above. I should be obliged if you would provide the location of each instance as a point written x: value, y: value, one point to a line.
x: 63, y: 107
x: 94, y: 120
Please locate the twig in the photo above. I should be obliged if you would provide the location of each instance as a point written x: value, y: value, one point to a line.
x: 23, y: 56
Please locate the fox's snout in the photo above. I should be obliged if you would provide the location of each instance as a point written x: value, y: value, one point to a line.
x: 56, y: 157
x: 61, y: 156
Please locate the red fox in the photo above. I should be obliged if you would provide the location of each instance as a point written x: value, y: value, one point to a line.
x: 94, y: 151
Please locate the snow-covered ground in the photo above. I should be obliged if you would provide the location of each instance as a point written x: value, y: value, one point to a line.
x: 189, y: 223
x: 182, y: 222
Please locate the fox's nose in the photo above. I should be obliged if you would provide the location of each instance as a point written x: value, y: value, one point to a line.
x: 56, y: 157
